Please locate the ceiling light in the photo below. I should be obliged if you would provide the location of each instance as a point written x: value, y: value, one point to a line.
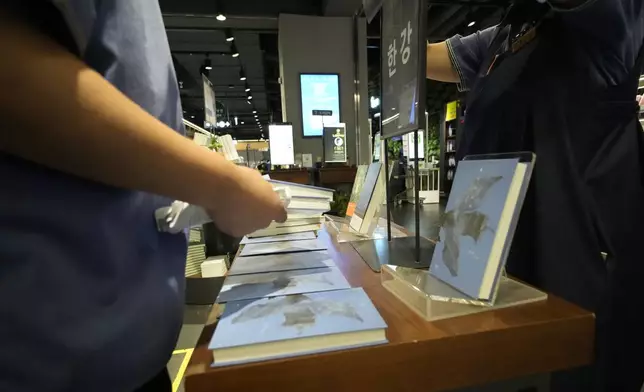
x: 242, y: 123
x: 220, y: 17
x: 229, y: 36
x: 233, y: 50
x: 472, y: 23
x: 207, y: 64
x: 242, y: 75
x: 255, y: 112
x: 250, y: 97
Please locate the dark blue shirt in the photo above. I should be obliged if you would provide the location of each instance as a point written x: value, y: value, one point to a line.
x: 91, y: 295
x: 611, y: 32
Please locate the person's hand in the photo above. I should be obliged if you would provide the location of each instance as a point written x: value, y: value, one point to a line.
x: 248, y: 204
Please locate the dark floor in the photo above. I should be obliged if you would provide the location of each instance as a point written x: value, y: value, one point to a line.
x: 430, y: 214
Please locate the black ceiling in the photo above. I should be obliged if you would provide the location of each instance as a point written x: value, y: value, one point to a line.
x: 194, y: 33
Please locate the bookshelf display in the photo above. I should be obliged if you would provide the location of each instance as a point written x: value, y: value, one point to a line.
x: 452, y: 123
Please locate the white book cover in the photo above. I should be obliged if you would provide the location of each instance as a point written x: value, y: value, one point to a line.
x: 478, y: 224
x: 274, y: 284
x: 281, y: 247
x: 273, y: 231
x: 281, y: 262
x: 308, y: 235
x: 278, y: 327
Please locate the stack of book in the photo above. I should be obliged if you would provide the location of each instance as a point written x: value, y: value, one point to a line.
x: 305, y: 210
x: 286, y: 297
x: 196, y: 252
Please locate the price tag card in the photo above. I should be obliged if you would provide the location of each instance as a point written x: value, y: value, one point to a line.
x: 403, y: 66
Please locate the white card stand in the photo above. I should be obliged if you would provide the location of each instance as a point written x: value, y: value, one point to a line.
x: 339, y: 228
x: 434, y: 300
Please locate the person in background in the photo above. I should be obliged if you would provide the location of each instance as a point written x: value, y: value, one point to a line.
x: 560, y: 78
x: 91, y: 145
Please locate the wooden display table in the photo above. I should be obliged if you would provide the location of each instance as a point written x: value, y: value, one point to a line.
x: 333, y: 176
x: 420, y: 356
x: 298, y: 176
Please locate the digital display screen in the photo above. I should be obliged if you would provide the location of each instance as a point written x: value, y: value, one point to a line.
x: 280, y: 142
x: 319, y: 92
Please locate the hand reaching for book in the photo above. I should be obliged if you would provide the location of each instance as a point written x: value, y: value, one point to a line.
x: 249, y: 204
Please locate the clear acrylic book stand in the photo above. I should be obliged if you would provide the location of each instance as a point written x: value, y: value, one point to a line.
x: 434, y: 300
x: 340, y: 229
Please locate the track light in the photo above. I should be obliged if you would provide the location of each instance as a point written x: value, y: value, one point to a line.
x: 242, y: 76
x: 255, y: 112
x: 247, y: 88
x: 250, y: 97
x: 207, y: 63
x: 472, y: 23
x: 229, y: 36
x: 233, y: 50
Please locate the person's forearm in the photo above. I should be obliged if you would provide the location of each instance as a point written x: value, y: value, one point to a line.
x: 56, y: 111
x: 439, y: 65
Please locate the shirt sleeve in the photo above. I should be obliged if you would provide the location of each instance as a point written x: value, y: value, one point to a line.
x: 467, y: 53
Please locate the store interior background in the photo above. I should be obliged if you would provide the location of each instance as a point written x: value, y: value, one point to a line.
x: 256, y: 78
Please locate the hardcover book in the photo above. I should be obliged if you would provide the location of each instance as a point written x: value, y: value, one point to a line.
x: 281, y: 247
x: 308, y: 235
x: 281, y: 262
x: 366, y: 215
x: 358, y: 183
x: 479, y: 222
x: 278, y: 327
x: 282, y: 230
x: 306, y: 191
x: 273, y: 284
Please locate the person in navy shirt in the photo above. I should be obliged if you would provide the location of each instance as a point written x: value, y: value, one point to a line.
x: 91, y: 144
x: 560, y: 78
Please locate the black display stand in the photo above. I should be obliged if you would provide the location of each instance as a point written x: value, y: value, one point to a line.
x: 403, y: 87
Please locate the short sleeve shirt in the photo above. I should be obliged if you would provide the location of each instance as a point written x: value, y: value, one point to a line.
x: 612, y: 32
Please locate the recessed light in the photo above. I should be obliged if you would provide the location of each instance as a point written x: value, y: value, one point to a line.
x: 221, y: 17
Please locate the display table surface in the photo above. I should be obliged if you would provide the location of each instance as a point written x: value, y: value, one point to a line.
x: 420, y: 356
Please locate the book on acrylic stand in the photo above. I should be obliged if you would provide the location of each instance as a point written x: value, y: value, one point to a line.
x: 467, y: 270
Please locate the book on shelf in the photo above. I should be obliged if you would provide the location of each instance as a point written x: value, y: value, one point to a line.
x: 479, y: 222
x: 281, y: 247
x: 306, y: 191
x: 281, y: 262
x: 274, y: 284
x: 196, y: 255
x: 214, y: 267
x: 358, y: 183
x: 273, y: 231
x: 372, y: 196
x: 307, y: 235
x: 281, y: 327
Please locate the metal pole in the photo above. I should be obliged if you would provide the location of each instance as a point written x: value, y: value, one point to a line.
x: 417, y: 195
x: 387, y: 193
